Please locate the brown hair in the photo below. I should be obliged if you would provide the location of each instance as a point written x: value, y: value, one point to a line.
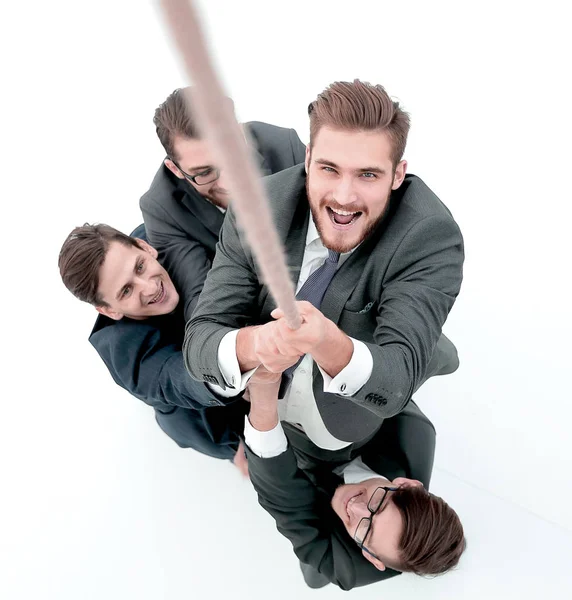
x: 432, y: 540
x: 360, y: 106
x: 82, y: 255
x: 172, y: 118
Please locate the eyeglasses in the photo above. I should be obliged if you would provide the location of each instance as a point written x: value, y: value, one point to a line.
x: 207, y: 176
x: 364, y: 526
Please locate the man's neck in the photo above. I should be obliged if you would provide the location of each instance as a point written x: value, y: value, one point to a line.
x: 221, y: 208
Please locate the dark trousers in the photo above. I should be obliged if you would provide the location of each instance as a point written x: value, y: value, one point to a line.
x: 214, y: 431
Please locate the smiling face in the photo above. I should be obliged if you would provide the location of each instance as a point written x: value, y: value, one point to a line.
x: 133, y: 284
x: 350, y: 503
x: 194, y: 158
x: 350, y: 177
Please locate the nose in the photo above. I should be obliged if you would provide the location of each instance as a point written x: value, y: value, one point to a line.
x: 147, y: 289
x: 345, y: 193
x: 359, y: 508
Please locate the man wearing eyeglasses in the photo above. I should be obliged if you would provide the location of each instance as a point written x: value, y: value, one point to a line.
x: 188, y: 197
x: 354, y: 529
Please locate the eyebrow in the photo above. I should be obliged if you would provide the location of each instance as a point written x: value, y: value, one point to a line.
x: 139, y: 258
x: 329, y: 163
x: 201, y: 168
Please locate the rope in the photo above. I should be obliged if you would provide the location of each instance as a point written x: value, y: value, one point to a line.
x: 218, y: 125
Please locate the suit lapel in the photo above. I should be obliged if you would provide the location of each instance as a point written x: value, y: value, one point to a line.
x: 206, y: 213
x: 253, y: 143
x: 344, y: 283
x: 295, y: 242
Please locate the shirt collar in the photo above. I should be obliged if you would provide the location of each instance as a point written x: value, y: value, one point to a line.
x: 312, y: 234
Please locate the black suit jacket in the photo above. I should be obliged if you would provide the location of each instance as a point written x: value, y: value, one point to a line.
x: 184, y: 227
x: 299, y: 499
x: 304, y: 515
x: 393, y: 293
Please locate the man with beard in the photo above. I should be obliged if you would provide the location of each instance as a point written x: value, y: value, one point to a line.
x: 376, y: 259
x: 185, y: 206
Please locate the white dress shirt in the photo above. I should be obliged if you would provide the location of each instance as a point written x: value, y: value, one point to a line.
x: 268, y: 444
x: 299, y: 405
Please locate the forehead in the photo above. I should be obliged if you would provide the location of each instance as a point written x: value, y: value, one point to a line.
x: 192, y: 153
x: 117, y: 268
x: 352, y: 149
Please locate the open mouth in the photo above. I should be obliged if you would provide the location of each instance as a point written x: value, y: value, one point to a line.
x: 160, y: 296
x: 343, y: 219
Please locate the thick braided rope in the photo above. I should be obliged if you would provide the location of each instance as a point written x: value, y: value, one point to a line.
x: 218, y: 124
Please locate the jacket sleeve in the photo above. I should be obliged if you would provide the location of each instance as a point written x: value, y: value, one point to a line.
x: 303, y: 515
x: 227, y: 302
x: 414, y: 303
x: 281, y: 147
x: 143, y: 361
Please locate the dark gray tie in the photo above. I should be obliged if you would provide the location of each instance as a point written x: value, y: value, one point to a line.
x: 313, y: 291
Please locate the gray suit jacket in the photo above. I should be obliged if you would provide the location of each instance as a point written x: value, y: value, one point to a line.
x: 184, y: 227
x: 393, y: 293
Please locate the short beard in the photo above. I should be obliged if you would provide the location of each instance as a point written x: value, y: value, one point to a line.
x: 343, y: 248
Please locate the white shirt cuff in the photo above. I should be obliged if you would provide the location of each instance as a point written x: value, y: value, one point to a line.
x: 354, y: 376
x: 230, y: 369
x: 265, y: 444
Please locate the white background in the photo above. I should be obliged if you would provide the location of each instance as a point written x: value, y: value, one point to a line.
x: 96, y: 502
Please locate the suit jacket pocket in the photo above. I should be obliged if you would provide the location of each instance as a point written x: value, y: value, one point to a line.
x: 359, y: 324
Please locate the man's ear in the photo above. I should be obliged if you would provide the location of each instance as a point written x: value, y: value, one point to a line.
x: 107, y: 312
x: 307, y: 159
x: 147, y: 247
x: 378, y: 564
x: 399, y: 176
x: 405, y: 483
x: 173, y: 168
